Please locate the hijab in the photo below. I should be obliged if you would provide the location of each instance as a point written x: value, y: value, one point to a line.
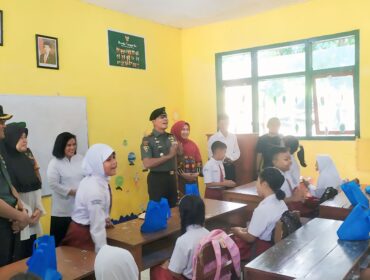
x: 92, y: 164
x: 20, y: 165
x: 189, y: 147
x: 328, y: 174
x: 112, y: 263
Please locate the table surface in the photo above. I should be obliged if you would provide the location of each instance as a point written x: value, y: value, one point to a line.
x: 128, y: 233
x: 246, y: 189
x: 312, y: 252
x: 72, y: 263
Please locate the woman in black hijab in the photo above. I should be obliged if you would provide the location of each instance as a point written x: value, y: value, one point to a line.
x: 24, y: 174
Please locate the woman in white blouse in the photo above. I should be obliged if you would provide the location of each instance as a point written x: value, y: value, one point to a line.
x: 64, y: 176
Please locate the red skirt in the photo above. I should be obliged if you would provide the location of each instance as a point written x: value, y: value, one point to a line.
x: 213, y: 193
x: 78, y: 236
x: 249, y: 251
x: 160, y: 273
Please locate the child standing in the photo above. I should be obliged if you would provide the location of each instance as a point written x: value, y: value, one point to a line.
x: 214, y: 172
x: 265, y: 216
x: 90, y: 215
x: 192, y: 214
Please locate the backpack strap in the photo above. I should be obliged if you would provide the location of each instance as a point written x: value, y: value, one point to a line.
x: 216, y: 248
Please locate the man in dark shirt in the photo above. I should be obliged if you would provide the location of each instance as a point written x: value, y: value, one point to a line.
x: 266, y: 142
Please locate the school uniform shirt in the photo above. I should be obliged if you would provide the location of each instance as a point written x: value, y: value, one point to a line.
x: 294, y: 171
x: 265, y: 216
x: 287, y: 186
x: 92, y: 205
x: 63, y: 176
x: 232, y: 152
x: 213, y: 171
x: 181, y: 261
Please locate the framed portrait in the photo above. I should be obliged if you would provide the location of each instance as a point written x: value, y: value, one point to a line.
x: 47, y: 54
x: 1, y: 28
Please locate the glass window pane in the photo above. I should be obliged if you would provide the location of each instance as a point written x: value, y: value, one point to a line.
x: 283, y: 98
x: 238, y: 106
x: 281, y: 60
x: 334, y: 106
x: 332, y: 53
x: 236, y: 66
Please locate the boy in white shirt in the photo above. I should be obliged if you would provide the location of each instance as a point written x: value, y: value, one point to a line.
x: 214, y: 172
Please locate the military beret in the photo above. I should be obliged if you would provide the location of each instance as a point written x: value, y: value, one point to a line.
x: 157, y: 112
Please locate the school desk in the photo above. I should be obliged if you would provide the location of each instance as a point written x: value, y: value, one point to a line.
x: 72, y: 263
x: 337, y: 208
x: 312, y: 252
x: 153, y: 248
x: 244, y: 194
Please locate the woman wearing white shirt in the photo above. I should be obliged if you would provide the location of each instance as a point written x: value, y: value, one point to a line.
x: 90, y: 215
x: 64, y: 175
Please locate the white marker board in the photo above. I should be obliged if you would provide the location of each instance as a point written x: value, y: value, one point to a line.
x: 46, y: 117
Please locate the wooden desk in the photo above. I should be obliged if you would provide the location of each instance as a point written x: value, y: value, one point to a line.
x: 72, y: 263
x: 244, y: 194
x: 154, y: 248
x: 312, y: 252
x: 337, y: 208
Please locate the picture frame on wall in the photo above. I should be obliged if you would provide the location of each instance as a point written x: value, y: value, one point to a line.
x: 1, y: 28
x: 47, y: 54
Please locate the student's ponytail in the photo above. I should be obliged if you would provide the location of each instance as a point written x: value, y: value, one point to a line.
x: 273, y: 177
x: 300, y: 155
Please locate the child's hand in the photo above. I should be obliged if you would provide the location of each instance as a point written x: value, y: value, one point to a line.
x: 229, y: 183
x: 36, y: 215
x: 108, y: 223
x: 236, y: 230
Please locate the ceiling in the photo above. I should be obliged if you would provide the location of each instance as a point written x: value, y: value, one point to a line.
x: 190, y: 13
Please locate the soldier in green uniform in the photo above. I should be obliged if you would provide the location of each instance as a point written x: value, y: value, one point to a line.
x: 13, y: 217
x: 158, y: 153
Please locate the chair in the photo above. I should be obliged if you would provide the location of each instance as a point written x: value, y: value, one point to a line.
x: 206, y: 264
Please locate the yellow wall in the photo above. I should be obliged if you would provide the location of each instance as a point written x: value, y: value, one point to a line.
x: 119, y: 100
x: 180, y: 72
x: 314, y: 18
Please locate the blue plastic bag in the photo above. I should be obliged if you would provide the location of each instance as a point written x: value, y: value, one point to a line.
x: 156, y: 216
x: 192, y: 189
x: 355, y: 194
x: 43, y: 261
x: 367, y: 189
x: 356, y: 226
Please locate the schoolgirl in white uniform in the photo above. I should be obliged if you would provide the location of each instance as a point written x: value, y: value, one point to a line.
x: 90, y: 215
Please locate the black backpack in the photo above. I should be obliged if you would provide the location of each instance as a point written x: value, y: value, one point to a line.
x: 329, y: 193
x: 290, y: 222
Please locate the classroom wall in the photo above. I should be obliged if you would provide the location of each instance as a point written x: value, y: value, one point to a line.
x: 309, y: 19
x: 119, y: 100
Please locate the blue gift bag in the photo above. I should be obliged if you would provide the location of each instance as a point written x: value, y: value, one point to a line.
x: 43, y: 261
x: 156, y: 216
x: 192, y: 189
x: 355, y: 194
x: 367, y: 189
x: 356, y: 226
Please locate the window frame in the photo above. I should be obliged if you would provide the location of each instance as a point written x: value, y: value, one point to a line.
x: 309, y: 75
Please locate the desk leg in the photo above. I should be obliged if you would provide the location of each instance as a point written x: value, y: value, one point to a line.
x: 138, y: 256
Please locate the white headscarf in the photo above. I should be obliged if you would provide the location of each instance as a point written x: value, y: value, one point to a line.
x: 92, y: 163
x: 329, y: 176
x: 112, y: 263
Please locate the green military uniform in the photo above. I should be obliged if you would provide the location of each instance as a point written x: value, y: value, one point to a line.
x: 6, y: 233
x: 161, y: 179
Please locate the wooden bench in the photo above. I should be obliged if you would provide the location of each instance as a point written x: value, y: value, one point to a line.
x: 312, y: 252
x: 153, y: 248
x: 72, y: 263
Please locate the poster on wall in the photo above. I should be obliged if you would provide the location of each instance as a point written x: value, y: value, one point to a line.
x: 126, y: 50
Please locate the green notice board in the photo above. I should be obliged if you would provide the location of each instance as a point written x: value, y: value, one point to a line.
x: 126, y: 50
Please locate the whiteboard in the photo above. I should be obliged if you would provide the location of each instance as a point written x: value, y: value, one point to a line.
x: 46, y: 117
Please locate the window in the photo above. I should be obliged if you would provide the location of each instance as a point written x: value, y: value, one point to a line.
x: 310, y: 85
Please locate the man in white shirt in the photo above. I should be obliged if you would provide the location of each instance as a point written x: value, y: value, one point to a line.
x: 232, y: 151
